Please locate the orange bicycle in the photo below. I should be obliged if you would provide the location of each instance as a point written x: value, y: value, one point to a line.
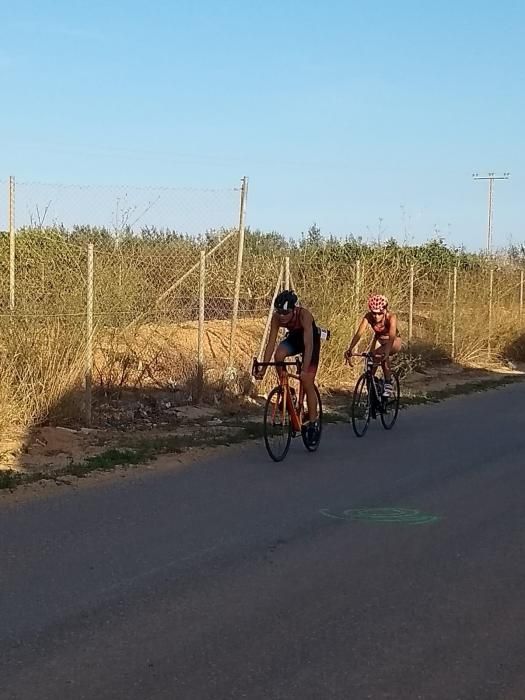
x: 285, y: 410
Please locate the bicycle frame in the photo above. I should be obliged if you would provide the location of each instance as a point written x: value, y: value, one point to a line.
x: 296, y: 417
x: 369, y: 365
x: 375, y: 402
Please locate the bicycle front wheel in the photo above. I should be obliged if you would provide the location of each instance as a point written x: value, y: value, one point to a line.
x: 390, y: 406
x: 312, y: 445
x: 277, y: 425
x: 361, y: 406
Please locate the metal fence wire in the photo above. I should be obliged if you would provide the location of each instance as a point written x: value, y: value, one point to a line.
x: 109, y: 289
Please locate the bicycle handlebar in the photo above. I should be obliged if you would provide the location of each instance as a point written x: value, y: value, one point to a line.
x: 256, y: 366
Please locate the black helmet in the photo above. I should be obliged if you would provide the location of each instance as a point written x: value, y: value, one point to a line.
x: 285, y: 301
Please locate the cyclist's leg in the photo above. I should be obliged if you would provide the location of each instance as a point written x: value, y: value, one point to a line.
x: 288, y: 347
x: 282, y: 351
x: 309, y: 389
x: 385, y: 363
x: 388, y: 388
x: 309, y: 381
x: 293, y: 344
x: 375, y: 349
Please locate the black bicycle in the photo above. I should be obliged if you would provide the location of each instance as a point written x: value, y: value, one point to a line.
x: 368, y: 401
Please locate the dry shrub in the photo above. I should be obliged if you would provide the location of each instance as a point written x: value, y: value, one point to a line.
x: 41, y: 368
x: 515, y: 348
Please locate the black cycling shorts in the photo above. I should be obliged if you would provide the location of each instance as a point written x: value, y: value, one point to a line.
x: 294, y: 344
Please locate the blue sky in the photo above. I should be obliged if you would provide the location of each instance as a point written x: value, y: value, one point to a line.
x: 367, y: 118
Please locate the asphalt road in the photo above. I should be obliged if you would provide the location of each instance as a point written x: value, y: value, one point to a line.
x: 241, y: 578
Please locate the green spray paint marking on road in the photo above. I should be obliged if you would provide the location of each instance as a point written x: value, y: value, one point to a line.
x: 405, y: 516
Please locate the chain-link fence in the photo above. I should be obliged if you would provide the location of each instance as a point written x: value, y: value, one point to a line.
x: 121, y: 210
x: 175, y: 295
x: 140, y: 328
x: 470, y: 316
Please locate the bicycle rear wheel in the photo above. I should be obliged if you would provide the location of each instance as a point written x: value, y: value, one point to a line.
x: 361, y: 406
x: 277, y: 426
x: 312, y: 446
x: 390, y: 405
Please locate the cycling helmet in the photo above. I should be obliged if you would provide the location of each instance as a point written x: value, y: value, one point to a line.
x: 285, y: 301
x: 377, y: 303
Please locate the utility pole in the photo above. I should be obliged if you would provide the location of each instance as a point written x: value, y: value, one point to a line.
x: 490, y: 177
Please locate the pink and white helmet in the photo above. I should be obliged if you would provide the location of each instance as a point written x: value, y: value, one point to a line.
x: 377, y: 303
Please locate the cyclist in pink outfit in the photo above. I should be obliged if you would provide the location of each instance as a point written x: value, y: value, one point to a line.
x: 386, y: 341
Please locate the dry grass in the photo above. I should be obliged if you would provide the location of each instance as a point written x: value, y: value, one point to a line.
x: 41, y: 367
x: 42, y: 348
x: 338, y: 299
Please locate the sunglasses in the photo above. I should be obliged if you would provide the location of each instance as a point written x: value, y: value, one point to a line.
x: 283, y: 312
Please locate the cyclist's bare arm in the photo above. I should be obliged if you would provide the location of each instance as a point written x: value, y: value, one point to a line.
x: 358, y: 335
x: 270, y: 345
